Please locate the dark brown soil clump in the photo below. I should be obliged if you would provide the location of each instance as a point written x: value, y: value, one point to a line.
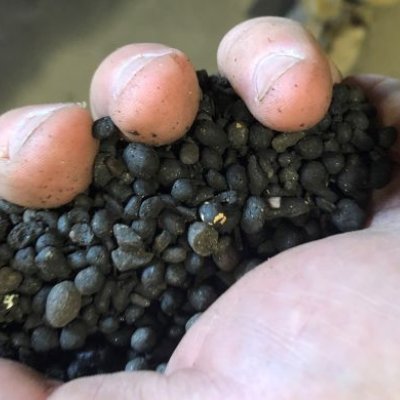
x: 113, y: 280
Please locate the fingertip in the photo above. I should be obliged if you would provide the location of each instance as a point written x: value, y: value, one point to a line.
x: 50, y: 154
x: 279, y: 70
x: 19, y: 382
x: 150, y: 91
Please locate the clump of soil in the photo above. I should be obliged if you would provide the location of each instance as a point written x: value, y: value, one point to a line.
x: 114, y: 279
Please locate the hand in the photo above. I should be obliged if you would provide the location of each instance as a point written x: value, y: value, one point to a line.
x: 320, y: 321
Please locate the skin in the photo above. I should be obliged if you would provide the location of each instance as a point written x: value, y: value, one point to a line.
x: 320, y: 321
x: 149, y: 90
x: 46, y: 154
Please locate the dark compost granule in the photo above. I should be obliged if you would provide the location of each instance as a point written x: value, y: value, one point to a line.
x: 113, y: 280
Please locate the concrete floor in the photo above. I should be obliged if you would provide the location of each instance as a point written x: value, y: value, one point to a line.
x: 50, y: 48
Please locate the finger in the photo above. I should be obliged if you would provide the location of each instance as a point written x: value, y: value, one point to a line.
x: 149, y: 90
x: 46, y: 154
x: 18, y: 382
x: 279, y: 70
x: 188, y: 385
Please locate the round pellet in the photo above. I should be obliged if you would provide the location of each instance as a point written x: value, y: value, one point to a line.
x: 63, y: 304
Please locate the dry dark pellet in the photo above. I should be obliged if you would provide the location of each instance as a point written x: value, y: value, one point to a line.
x: 143, y: 339
x: 9, y: 280
x: 348, y: 216
x: 137, y: 364
x: 202, y: 238
x: 30, y: 285
x: 73, y: 336
x: 210, y: 134
x: 39, y: 300
x: 189, y: 153
x: 51, y: 263
x: 237, y: 178
x: 77, y: 260
x: 132, y: 208
x: 162, y: 231
x: 102, y: 223
x: 170, y: 171
x: 151, y: 207
x: 153, y: 274
x: 176, y: 275
x: 333, y: 162
x: 126, y: 237
x: 103, y: 298
x: 253, y: 216
x: 63, y: 304
x: 104, y: 128
x: 259, y: 136
x: 98, y: 256
x: 141, y: 160
x: 48, y: 239
x: 362, y: 141
x: 238, y: 134
x: 314, y: 177
x: 108, y: 325
x: 258, y: 180
x: 81, y: 234
x: 44, y: 339
x: 89, y: 281
x: 310, y: 147
x: 126, y: 260
x: 226, y: 256
x: 201, y: 297
x: 171, y: 300
x: 183, y: 190
x: 194, y: 263
x: 145, y: 228
x: 174, y: 254
x: 216, y: 180
x: 145, y: 188
x: 24, y: 234
x: 162, y: 241
x: 357, y: 119
x: 210, y: 159
x: 172, y: 222
x: 133, y: 313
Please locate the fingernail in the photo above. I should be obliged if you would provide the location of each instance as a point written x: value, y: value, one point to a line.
x: 269, y: 70
x: 133, y: 65
x: 29, y: 122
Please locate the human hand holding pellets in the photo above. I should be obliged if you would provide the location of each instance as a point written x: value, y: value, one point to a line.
x: 319, y: 321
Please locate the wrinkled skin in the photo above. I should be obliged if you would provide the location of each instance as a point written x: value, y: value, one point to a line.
x: 320, y: 321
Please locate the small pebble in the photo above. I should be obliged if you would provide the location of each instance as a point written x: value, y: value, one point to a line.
x: 89, y: 281
x: 9, y: 280
x: 202, y: 238
x: 137, y: 364
x: 73, y: 336
x: 141, y: 160
x: 201, y: 297
x: 348, y: 216
x: 189, y: 153
x: 63, y: 304
x: 44, y: 339
x: 143, y: 339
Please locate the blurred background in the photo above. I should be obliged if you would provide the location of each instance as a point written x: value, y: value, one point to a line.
x: 50, y: 48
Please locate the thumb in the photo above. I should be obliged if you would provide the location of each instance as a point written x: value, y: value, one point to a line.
x: 279, y: 70
x: 186, y: 384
